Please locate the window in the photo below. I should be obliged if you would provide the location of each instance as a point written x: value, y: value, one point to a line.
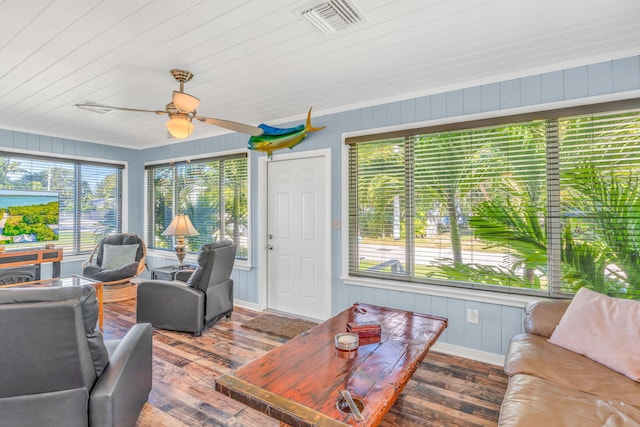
x: 212, y: 192
x: 90, y: 195
x: 544, y: 205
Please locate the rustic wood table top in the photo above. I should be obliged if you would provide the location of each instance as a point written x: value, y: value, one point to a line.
x: 299, y: 383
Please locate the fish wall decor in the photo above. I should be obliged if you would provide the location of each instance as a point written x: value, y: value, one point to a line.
x: 278, y: 138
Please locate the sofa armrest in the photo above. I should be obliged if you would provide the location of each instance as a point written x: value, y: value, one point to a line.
x: 542, y: 317
x: 123, y: 388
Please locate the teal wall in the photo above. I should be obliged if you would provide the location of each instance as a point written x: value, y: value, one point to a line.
x: 618, y: 79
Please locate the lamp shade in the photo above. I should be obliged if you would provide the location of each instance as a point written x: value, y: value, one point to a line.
x: 179, y: 125
x: 184, y: 102
x: 180, y: 226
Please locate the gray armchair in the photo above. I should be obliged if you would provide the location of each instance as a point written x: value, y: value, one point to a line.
x: 197, y: 298
x: 56, y: 368
x: 118, y: 258
x: 115, y: 260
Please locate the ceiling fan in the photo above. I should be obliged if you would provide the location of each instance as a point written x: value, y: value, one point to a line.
x: 181, y: 111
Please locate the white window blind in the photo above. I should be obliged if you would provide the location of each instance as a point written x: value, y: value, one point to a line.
x: 90, y: 195
x: 212, y: 192
x: 379, y: 207
x: 540, y: 206
x: 600, y: 202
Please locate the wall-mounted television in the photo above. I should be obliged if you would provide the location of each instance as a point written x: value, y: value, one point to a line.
x: 28, y: 216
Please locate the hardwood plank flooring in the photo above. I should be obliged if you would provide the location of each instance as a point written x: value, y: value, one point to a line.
x: 445, y: 390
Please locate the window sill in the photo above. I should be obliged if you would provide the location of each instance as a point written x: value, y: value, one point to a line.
x: 499, y: 298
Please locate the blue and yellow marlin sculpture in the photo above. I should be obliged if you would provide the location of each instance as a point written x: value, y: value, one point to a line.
x: 278, y: 138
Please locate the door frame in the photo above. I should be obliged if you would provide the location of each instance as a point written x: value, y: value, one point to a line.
x: 262, y: 221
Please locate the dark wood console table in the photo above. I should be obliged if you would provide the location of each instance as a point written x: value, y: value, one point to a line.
x: 36, y: 257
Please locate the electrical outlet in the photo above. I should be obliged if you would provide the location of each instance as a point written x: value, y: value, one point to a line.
x: 473, y: 315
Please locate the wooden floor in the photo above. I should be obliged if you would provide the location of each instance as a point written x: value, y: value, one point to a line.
x: 444, y: 391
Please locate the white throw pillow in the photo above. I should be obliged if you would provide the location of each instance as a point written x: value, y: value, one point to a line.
x: 604, y: 329
x: 114, y: 256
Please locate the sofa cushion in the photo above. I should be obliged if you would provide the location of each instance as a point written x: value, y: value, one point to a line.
x: 533, y: 402
x: 542, y: 316
x: 535, y: 355
x: 603, y: 329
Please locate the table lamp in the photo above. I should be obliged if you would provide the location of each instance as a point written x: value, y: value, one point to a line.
x: 180, y: 226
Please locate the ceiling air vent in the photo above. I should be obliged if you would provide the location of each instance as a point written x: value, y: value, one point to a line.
x: 332, y: 16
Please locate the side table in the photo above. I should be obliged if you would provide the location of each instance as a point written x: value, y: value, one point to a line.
x: 168, y: 272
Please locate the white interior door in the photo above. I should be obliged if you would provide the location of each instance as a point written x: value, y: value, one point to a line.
x: 298, y: 278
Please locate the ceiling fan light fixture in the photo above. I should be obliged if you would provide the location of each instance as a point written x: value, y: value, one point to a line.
x: 184, y: 102
x: 179, y: 125
x: 181, y: 111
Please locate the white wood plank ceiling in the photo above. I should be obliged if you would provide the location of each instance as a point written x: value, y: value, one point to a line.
x: 258, y: 61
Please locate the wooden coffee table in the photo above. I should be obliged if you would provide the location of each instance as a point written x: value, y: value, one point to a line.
x: 299, y: 383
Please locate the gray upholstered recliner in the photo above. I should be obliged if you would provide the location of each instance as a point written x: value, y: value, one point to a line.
x: 197, y: 298
x: 55, y: 368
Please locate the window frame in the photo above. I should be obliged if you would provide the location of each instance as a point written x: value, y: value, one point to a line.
x: 240, y: 263
x: 76, y: 163
x: 511, y: 296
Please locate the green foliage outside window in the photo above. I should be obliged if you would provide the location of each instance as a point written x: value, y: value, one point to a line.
x: 212, y: 192
x: 547, y: 205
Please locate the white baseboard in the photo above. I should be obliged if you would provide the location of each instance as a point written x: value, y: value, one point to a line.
x: 247, y: 305
x: 469, y: 353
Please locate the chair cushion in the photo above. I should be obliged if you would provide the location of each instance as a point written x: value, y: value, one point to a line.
x: 85, y: 295
x: 97, y: 273
x: 206, y: 251
x: 120, y: 239
x: 203, y: 257
x: 114, y: 256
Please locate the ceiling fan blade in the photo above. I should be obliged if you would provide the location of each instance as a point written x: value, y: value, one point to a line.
x: 234, y: 126
x: 101, y: 108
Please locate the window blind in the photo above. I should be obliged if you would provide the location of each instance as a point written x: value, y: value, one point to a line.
x: 600, y: 202
x: 90, y: 195
x: 378, y: 207
x: 542, y: 206
x: 211, y: 191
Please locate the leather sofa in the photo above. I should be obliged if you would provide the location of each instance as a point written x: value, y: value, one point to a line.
x: 552, y: 386
x: 55, y: 367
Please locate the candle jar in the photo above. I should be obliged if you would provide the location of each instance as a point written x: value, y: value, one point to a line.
x: 346, y: 341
